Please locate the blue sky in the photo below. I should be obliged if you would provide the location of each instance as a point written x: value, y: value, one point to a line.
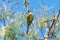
x: 33, y: 4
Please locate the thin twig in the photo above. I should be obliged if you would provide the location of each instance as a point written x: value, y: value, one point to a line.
x: 42, y: 33
x: 40, y: 30
x: 48, y: 20
x: 44, y: 38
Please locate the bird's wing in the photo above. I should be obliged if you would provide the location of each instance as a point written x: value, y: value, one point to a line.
x: 29, y: 19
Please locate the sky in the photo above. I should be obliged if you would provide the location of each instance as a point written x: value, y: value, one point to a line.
x: 34, y: 5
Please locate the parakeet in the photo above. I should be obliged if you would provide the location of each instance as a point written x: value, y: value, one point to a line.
x: 29, y: 20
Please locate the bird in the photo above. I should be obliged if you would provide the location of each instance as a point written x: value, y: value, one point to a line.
x: 26, y: 3
x: 29, y: 20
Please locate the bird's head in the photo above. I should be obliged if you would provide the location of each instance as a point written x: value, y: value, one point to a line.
x: 29, y: 12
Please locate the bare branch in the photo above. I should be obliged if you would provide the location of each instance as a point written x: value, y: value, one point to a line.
x: 53, y: 23
x: 48, y: 20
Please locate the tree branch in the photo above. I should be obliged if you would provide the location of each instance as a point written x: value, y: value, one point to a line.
x: 48, y: 20
x: 53, y: 23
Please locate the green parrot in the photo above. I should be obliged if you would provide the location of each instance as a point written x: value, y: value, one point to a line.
x: 29, y: 20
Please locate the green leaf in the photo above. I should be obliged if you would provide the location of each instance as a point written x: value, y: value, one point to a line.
x: 41, y: 23
x: 5, y: 14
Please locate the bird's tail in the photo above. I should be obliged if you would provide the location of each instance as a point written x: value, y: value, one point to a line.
x: 27, y: 29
